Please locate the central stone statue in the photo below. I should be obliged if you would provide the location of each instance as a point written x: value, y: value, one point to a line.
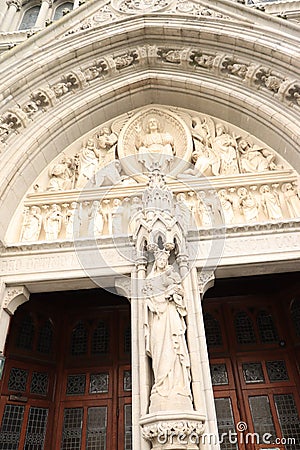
x: 155, y: 148
x: 165, y: 337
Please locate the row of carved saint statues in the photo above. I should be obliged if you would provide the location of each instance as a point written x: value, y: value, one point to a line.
x: 194, y: 210
x: 216, y: 152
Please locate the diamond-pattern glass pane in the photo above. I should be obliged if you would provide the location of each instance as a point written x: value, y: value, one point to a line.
x: 72, y: 429
x: 127, y: 380
x: 262, y: 416
x: 100, y: 341
x: 99, y: 383
x: 219, y: 374
x: 45, y: 338
x: 288, y: 419
x: 128, y: 427
x: 96, y: 428
x: 266, y: 327
x: 39, y: 383
x: 11, y: 427
x: 76, y: 384
x: 26, y: 332
x: 277, y: 371
x: 225, y: 422
x: 36, y: 429
x: 253, y: 373
x: 244, y: 328
x: 17, y: 379
x: 212, y: 331
x: 79, y: 340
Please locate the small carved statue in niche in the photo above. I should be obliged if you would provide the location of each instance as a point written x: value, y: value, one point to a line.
x: 154, y: 147
x: 135, y: 214
x: 88, y: 162
x: 254, y: 158
x: 270, y: 203
x: 165, y: 335
x: 97, y: 220
x: 183, y: 211
x: 225, y: 147
x: 73, y: 221
x: 32, y: 224
x: 226, y: 205
x: 291, y: 197
x: 117, y: 217
x: 248, y: 205
x: 62, y: 175
x: 53, y: 222
x: 205, y: 210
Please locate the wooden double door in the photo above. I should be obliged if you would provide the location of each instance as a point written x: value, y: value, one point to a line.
x: 254, y: 342
x: 67, y: 378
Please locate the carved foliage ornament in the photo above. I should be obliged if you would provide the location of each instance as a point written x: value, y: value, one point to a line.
x: 253, y: 75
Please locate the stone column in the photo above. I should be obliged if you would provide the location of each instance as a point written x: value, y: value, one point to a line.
x: 141, y: 374
x: 13, y: 7
x: 12, y: 297
x: 41, y: 19
x: 3, y: 11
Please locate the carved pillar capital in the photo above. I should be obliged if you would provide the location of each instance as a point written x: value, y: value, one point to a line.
x: 123, y: 286
x: 206, y: 279
x: 14, y: 296
x: 141, y: 262
x: 173, y: 431
x: 183, y: 263
x: 16, y: 3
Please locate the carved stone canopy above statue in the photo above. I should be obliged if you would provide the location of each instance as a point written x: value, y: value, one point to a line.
x: 154, y: 137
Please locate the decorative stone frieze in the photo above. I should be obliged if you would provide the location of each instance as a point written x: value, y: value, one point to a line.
x: 190, y: 59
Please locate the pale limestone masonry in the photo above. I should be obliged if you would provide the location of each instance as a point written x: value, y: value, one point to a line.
x: 172, y: 128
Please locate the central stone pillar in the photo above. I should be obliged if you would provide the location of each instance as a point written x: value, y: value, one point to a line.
x: 173, y: 409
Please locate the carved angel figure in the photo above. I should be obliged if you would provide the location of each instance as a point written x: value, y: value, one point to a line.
x: 154, y: 147
x: 88, y: 162
x: 206, y: 162
x: 165, y: 336
x: 62, y: 175
x: 53, y: 222
x: 106, y: 143
x: 32, y: 225
x: 225, y: 147
x: 248, y: 205
x: 270, y: 203
x: 254, y: 158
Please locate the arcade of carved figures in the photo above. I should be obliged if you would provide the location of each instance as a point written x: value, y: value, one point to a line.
x: 218, y: 175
